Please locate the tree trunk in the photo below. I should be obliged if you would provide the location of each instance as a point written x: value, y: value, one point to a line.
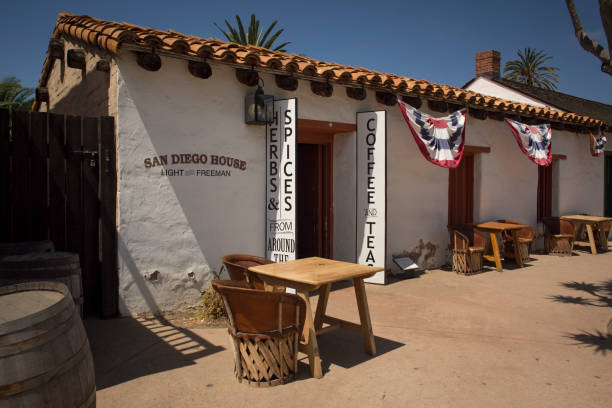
x: 605, y: 9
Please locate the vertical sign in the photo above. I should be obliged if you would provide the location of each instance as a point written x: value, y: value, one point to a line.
x: 371, y: 191
x: 281, y: 142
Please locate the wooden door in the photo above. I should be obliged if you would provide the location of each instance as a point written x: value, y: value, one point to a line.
x: 608, y: 184
x: 314, y: 204
x: 544, y: 191
x: 58, y: 181
x: 461, y: 192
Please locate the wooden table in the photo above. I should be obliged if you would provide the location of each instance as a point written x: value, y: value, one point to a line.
x: 493, y: 228
x: 308, y: 274
x: 591, y: 223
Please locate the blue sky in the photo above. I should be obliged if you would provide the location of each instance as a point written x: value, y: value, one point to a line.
x: 432, y: 40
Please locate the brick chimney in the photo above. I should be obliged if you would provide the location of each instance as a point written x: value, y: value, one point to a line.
x: 487, y: 64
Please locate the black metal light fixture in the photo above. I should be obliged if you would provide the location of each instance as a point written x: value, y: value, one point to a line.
x: 255, y: 107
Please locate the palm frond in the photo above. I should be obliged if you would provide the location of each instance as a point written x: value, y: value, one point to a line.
x: 224, y: 32
x: 253, y: 28
x: 255, y: 34
x: 268, y: 31
x: 281, y: 47
x: 14, y: 96
x: 273, y: 38
x: 242, y: 38
x: 529, y: 69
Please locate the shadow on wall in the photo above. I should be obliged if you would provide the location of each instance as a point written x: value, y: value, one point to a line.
x: 137, y: 279
x: 213, y: 197
x: 88, y: 97
x: 597, y: 295
x: 127, y: 348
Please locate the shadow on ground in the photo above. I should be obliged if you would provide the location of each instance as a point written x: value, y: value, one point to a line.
x: 600, y: 342
x: 600, y: 295
x: 127, y: 348
x: 346, y: 349
x: 593, y: 294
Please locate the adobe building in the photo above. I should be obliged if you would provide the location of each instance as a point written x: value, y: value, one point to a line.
x: 488, y: 81
x: 331, y: 171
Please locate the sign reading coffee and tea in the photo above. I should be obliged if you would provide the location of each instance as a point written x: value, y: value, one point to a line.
x: 195, y: 164
x: 371, y: 191
x: 281, y: 141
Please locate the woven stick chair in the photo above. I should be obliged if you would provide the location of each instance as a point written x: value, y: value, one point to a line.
x: 238, y: 268
x: 559, y: 236
x: 525, y: 237
x: 265, y: 328
x: 468, y: 248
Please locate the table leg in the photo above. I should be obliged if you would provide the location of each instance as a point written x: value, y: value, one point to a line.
x: 495, y: 247
x: 309, y: 344
x: 517, y: 252
x: 591, y: 239
x: 603, y: 238
x: 321, y: 306
x: 364, y: 316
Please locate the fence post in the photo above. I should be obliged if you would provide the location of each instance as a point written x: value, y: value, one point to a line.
x: 57, y: 181
x: 39, y: 182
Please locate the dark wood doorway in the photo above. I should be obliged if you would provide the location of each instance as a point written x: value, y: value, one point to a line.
x: 315, y: 209
x: 545, y: 191
x: 461, y: 192
x: 314, y: 195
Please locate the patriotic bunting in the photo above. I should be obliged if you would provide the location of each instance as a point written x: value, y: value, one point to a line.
x: 597, y: 144
x: 534, y: 141
x: 441, y: 140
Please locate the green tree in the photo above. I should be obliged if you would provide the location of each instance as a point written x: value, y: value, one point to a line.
x: 14, y: 96
x: 253, y: 34
x: 530, y: 70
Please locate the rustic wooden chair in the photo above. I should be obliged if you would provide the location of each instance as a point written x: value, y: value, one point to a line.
x: 603, y: 226
x: 525, y: 236
x: 468, y: 248
x: 559, y: 236
x: 265, y: 328
x: 238, y: 268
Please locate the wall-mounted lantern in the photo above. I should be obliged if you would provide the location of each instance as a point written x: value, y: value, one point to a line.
x: 256, y: 111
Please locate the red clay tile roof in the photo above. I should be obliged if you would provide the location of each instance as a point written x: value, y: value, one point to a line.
x: 111, y: 36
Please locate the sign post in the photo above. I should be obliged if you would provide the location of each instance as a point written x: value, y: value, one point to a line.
x: 371, y: 191
x: 281, y: 142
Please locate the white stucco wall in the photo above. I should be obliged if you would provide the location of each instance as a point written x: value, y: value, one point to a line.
x: 181, y: 226
x: 487, y: 87
x: 580, y: 176
x: 174, y: 230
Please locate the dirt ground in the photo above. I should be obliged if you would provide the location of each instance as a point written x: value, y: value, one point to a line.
x: 530, y: 337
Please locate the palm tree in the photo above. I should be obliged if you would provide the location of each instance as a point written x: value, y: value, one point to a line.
x: 14, y: 96
x: 253, y: 36
x: 529, y: 69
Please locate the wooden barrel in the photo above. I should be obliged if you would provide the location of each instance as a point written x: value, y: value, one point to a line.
x: 61, y: 267
x: 17, y: 248
x: 45, y: 357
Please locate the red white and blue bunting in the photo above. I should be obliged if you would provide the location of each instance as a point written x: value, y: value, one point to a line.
x: 534, y: 141
x: 598, y: 143
x: 441, y: 140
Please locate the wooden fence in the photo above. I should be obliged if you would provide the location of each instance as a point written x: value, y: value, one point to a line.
x: 58, y: 181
